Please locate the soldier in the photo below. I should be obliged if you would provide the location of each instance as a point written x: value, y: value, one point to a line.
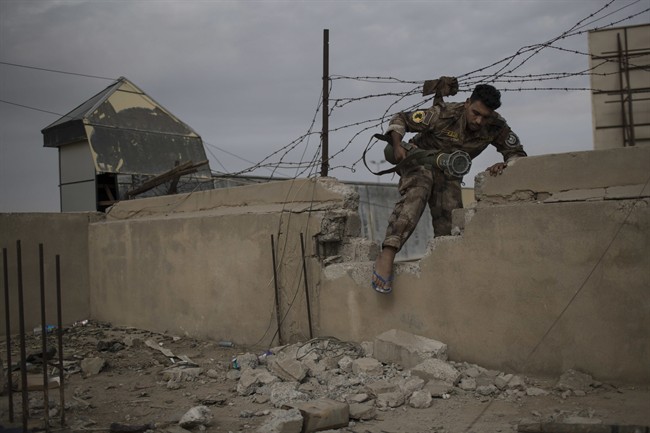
x: 446, y: 127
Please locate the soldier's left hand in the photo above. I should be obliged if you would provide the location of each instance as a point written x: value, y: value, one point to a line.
x: 497, y: 168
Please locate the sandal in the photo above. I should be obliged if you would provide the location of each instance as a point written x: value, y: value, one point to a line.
x: 381, y: 284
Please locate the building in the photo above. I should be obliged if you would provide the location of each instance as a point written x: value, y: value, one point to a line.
x: 121, y: 143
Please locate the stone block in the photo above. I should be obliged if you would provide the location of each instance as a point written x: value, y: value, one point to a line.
x: 436, y: 369
x: 323, y: 414
x: 407, y: 349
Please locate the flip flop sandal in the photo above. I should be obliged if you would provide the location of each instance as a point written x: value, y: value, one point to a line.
x: 385, y: 285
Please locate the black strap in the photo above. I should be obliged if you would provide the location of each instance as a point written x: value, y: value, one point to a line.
x: 410, y: 157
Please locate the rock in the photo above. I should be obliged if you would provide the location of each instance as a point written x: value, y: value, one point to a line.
x: 363, y: 411
x: 516, y: 382
x: 367, y: 366
x: 467, y: 384
x: 368, y: 348
x: 92, y: 366
x: 345, y: 364
x: 283, y: 421
x: 534, y: 392
x: 181, y: 374
x: 390, y: 399
x: 381, y: 387
x: 323, y: 414
x: 251, y: 379
x: 195, y: 417
x: 406, y: 349
x: 420, y: 399
x: 436, y: 369
x: 412, y: 384
x: 213, y: 374
x: 437, y: 388
x: 286, y: 394
x: 487, y: 390
x: 574, y: 380
x: 502, y: 380
x: 357, y: 398
x: 248, y: 360
x: 287, y: 369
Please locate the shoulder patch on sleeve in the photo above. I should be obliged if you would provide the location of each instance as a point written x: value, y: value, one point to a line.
x: 417, y: 116
x: 512, y: 140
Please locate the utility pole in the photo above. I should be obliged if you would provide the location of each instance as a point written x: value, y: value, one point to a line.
x: 324, y: 134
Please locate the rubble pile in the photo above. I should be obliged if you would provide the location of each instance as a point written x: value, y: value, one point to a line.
x: 323, y: 384
x: 369, y: 379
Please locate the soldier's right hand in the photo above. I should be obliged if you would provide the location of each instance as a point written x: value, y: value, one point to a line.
x: 399, y: 153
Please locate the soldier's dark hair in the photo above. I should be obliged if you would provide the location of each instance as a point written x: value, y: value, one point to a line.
x: 488, y: 95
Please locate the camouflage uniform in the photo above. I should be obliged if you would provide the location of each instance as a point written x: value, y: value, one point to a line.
x: 441, y: 127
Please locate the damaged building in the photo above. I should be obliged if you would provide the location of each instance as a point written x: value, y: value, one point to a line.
x: 120, y: 144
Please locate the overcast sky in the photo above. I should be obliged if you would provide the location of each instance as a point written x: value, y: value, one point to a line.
x: 247, y: 75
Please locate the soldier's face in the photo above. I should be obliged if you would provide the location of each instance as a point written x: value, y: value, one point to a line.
x: 476, y: 114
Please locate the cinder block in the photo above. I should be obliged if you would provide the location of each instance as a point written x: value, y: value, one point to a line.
x: 323, y: 414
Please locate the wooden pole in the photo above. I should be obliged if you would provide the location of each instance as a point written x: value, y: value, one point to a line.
x: 324, y: 134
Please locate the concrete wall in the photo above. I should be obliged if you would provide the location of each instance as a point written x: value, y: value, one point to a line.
x: 201, y: 264
x: 544, y: 281
x: 65, y: 235
x: 550, y: 273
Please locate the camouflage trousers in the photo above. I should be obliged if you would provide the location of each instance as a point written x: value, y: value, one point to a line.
x: 419, y: 186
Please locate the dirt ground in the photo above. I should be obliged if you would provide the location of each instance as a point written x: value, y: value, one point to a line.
x: 130, y: 390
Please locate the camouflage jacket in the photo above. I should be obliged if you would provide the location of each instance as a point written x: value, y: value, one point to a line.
x: 442, y: 127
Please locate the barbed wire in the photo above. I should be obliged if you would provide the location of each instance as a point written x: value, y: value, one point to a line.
x: 501, y: 73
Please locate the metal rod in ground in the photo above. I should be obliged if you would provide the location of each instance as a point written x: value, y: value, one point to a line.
x: 277, y: 294
x: 304, y: 273
x: 8, y: 335
x: 46, y: 397
x: 21, y: 325
x: 59, y: 334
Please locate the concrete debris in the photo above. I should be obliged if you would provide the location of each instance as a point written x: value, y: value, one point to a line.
x: 196, y: 417
x: 408, y: 350
x: 323, y: 414
x: 283, y: 421
x: 367, y: 366
x: 92, y: 366
x: 287, y: 368
x: 363, y: 411
x: 328, y: 384
x: 287, y: 394
x: 421, y: 399
x: 181, y: 374
x: 251, y: 379
x: 436, y: 369
x: 576, y: 382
